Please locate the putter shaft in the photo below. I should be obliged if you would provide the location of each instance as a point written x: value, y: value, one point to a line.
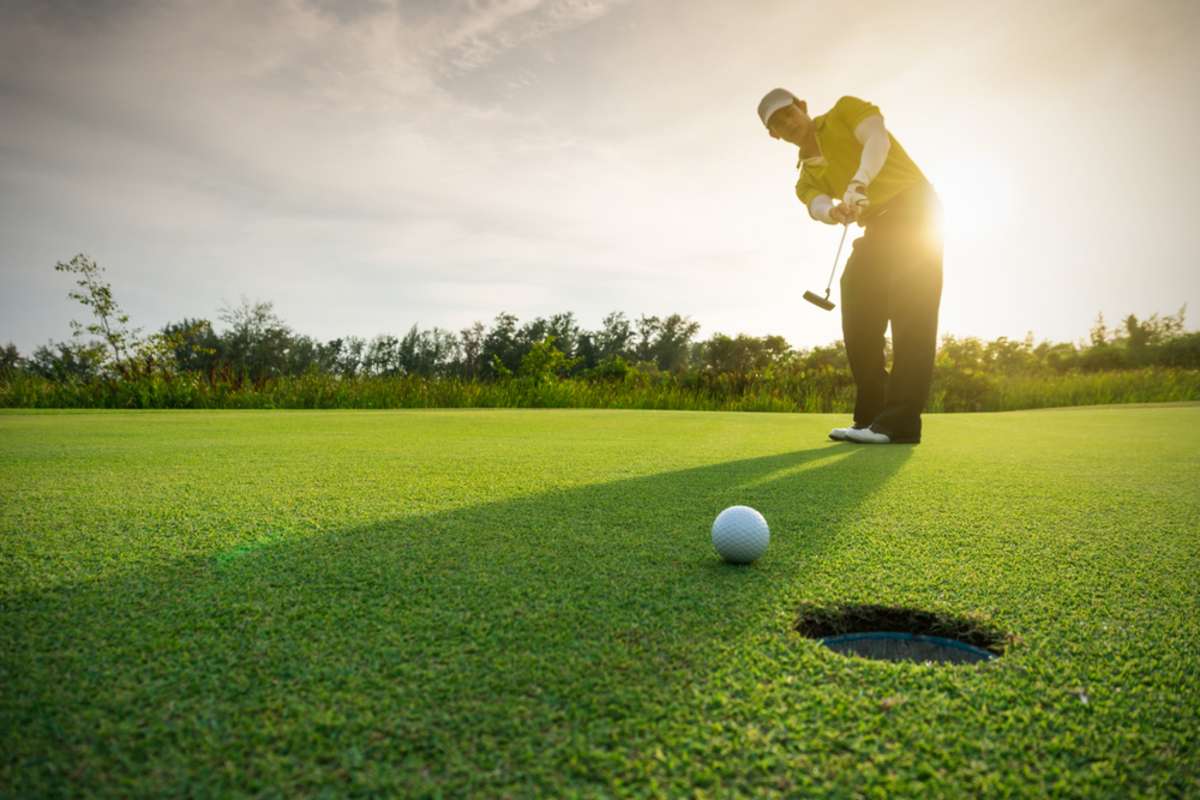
x: 836, y: 258
x: 823, y: 302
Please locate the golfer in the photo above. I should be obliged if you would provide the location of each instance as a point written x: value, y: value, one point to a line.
x: 853, y: 170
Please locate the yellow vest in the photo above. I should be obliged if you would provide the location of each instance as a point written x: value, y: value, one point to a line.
x: 842, y: 152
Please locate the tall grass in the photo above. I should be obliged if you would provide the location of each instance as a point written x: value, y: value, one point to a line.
x: 814, y: 392
x: 1150, y: 385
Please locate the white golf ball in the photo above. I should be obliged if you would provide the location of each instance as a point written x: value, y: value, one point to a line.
x: 740, y: 534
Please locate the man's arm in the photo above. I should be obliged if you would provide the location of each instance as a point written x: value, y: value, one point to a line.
x: 876, y: 144
x: 820, y: 208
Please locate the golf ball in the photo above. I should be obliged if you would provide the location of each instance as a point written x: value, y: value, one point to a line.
x: 740, y: 534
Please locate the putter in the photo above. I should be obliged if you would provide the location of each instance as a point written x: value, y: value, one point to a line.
x: 823, y: 302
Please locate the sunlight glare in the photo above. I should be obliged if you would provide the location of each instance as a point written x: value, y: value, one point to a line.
x: 977, y: 195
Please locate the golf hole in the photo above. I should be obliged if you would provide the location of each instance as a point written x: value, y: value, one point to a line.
x: 884, y: 633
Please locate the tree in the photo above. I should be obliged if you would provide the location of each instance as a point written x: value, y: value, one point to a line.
x: 777, y: 348
x: 614, y: 337
x: 724, y: 354
x: 257, y: 341
x: 1060, y: 356
x: 349, y: 360
x: 565, y: 331
x: 197, y: 348
x: 1099, y: 332
x: 328, y: 355
x: 675, y: 335
x: 830, y: 358
x: 10, y: 360
x: 744, y: 355
x: 303, y: 355
x: 65, y: 361
x: 648, y: 330
x: 471, y: 339
x: 1181, y: 351
x: 1154, y: 330
x: 1010, y: 357
x: 382, y: 356
x: 532, y: 332
x: 440, y: 351
x: 111, y: 323
x: 545, y: 362
x: 586, y: 351
x: 502, y: 349
x: 431, y: 353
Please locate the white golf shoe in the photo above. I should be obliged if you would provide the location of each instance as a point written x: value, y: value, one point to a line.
x: 867, y: 436
x: 841, y: 434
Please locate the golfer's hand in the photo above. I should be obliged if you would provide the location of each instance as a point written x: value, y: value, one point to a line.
x: 855, y: 200
x: 856, y: 195
x: 843, y: 214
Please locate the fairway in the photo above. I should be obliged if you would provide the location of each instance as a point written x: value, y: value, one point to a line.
x: 527, y: 602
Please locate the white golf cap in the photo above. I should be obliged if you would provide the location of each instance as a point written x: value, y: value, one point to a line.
x: 773, y: 101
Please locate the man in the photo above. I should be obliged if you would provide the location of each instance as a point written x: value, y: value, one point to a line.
x: 894, y: 273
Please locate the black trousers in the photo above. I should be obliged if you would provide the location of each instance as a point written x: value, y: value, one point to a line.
x: 894, y: 274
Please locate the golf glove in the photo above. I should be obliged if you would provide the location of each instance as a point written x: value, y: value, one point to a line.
x: 855, y: 196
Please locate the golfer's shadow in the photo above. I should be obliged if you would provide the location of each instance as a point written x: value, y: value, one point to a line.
x: 571, y: 607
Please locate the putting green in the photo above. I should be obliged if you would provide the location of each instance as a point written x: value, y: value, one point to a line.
x: 527, y: 602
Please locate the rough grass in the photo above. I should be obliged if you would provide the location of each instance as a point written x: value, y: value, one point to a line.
x: 515, y: 603
x: 815, y: 391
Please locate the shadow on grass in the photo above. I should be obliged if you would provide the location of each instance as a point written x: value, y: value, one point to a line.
x: 515, y: 643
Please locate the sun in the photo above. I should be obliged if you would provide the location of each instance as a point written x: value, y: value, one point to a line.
x: 977, y: 196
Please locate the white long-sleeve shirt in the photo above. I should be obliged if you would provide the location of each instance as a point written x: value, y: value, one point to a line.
x: 876, y: 143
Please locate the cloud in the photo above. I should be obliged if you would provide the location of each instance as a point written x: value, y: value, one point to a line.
x: 604, y: 152
x: 286, y: 104
x: 482, y: 30
x: 287, y: 134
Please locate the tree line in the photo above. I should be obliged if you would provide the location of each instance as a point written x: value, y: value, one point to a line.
x: 254, y: 345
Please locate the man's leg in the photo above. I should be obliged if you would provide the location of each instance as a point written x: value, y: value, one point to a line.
x: 864, y: 321
x: 915, y: 296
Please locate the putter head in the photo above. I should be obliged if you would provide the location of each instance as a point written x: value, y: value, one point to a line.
x: 817, y: 300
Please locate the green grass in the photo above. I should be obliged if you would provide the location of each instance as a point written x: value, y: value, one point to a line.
x: 514, y: 603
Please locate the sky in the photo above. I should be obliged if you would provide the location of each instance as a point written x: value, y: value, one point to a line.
x: 368, y: 165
